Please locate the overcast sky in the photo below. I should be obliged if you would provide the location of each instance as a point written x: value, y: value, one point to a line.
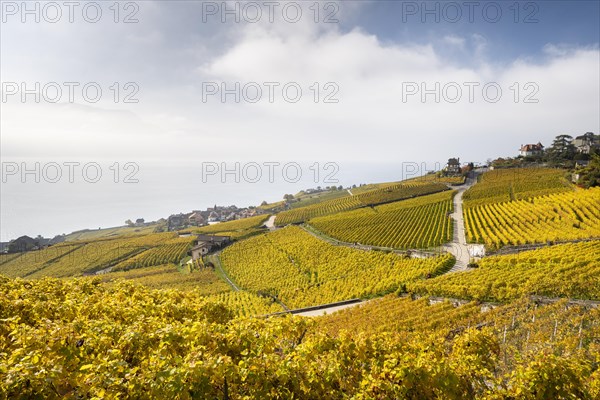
x: 384, y: 86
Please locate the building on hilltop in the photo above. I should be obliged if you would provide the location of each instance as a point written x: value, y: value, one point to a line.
x: 453, y: 166
x: 586, y: 142
x: 529, y: 150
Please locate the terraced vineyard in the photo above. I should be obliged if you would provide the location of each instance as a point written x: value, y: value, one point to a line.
x: 302, y: 199
x: 503, y: 185
x: 438, y: 177
x: 113, y: 233
x: 5, y: 257
x: 202, y: 281
x: 165, y: 332
x: 566, y: 270
x: 25, y: 264
x: 400, y: 315
x: 521, y: 318
x: 79, y: 338
x: 171, y: 252
x: 525, y: 338
x: 75, y: 258
x: 422, y: 222
x: 245, y: 304
x: 237, y: 229
x: 302, y: 270
x: 236, y: 225
x: 562, y: 216
x: 384, y: 194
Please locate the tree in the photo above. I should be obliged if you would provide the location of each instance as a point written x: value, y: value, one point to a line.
x: 264, y: 203
x: 288, y: 197
x: 129, y: 222
x: 590, y: 175
x: 562, y: 149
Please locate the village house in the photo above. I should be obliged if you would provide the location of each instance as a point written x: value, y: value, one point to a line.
x: 586, y: 142
x: 196, y: 219
x: 529, y: 150
x: 453, y: 166
x: 199, y: 250
x: 213, y: 217
x: 208, y: 243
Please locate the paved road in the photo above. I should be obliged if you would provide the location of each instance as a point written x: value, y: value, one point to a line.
x: 458, y: 247
x: 270, y: 224
x: 329, y: 310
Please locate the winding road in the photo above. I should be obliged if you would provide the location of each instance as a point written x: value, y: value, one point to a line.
x: 459, y: 247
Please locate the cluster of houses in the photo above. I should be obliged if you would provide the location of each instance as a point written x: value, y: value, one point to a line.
x: 583, y: 144
x: 210, y: 216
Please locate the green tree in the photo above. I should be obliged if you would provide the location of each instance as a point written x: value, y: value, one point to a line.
x: 562, y: 149
x: 590, y: 175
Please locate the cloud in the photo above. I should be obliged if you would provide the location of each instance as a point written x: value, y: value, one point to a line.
x: 170, y: 54
x: 371, y: 78
x: 371, y: 121
x: 456, y: 41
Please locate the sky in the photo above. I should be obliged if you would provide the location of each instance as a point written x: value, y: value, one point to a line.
x: 148, y: 108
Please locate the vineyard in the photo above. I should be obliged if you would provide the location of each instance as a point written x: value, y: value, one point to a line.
x: 522, y: 331
x: 303, y: 199
x: 25, y: 264
x: 520, y: 319
x: 5, y: 257
x: 438, y: 177
x: 422, y: 222
x: 400, y: 315
x: 113, y: 233
x: 171, y: 252
x: 562, y: 216
x: 76, y: 258
x: 567, y: 270
x: 202, y: 281
x: 79, y: 338
x: 151, y: 329
x: 235, y: 229
x: 384, y: 194
x: 245, y: 304
x: 302, y: 270
x: 503, y: 185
